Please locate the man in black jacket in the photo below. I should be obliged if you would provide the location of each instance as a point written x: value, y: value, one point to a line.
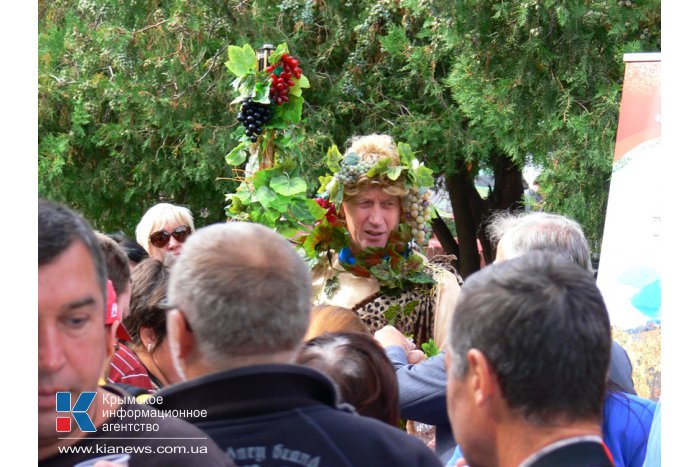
x: 240, y: 308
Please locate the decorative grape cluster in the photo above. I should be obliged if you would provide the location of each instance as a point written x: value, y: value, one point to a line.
x: 352, y: 168
x: 331, y: 214
x: 253, y: 116
x: 281, y: 74
x: 417, y: 210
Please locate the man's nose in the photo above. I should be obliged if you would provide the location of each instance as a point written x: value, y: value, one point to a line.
x: 375, y: 215
x: 51, y: 354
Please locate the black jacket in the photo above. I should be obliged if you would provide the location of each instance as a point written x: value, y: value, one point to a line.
x: 582, y: 454
x: 288, y: 415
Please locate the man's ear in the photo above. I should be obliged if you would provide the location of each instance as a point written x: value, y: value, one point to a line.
x: 180, y: 337
x: 484, y: 381
x: 111, y: 340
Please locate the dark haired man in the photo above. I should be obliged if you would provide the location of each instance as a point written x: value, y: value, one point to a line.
x: 79, y: 420
x: 527, y: 357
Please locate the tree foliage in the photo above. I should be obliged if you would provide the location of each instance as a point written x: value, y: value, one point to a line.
x: 134, y: 96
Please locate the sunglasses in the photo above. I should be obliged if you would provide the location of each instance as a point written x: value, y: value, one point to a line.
x: 161, y: 238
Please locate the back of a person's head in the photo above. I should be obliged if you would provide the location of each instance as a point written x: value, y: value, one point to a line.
x: 148, y: 290
x: 541, y: 322
x: 118, y: 270
x: 131, y: 248
x: 361, y: 370
x: 59, y: 226
x: 517, y: 234
x: 331, y: 318
x: 243, y: 289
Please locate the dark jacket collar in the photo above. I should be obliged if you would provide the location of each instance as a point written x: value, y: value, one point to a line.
x: 251, y: 391
x: 579, y: 454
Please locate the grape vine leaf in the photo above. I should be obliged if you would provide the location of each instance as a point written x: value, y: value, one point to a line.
x: 241, y: 60
x: 276, y: 56
x: 424, y: 176
x: 237, y: 155
x: 288, y: 186
x: 333, y: 158
x: 394, y: 172
x: 430, y: 348
x: 291, y: 111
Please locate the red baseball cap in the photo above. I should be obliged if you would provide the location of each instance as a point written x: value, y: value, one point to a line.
x: 112, y: 313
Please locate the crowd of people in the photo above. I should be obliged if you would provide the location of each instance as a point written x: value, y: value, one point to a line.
x: 221, y: 346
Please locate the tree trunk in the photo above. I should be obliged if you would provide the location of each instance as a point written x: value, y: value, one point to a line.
x: 506, y: 195
x: 461, y: 189
x: 444, y: 236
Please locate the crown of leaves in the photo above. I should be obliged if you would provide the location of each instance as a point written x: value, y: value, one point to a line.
x: 347, y: 170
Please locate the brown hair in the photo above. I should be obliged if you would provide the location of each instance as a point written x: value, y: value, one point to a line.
x: 118, y: 270
x: 361, y: 370
x: 149, y: 287
x: 330, y: 318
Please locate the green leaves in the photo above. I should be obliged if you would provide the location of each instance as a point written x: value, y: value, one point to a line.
x: 280, y: 50
x: 289, y: 112
x: 238, y: 155
x: 333, y: 158
x: 241, y: 60
x: 430, y: 349
x: 288, y: 186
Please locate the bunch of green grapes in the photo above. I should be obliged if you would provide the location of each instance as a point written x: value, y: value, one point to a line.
x: 351, y: 169
x: 418, y: 212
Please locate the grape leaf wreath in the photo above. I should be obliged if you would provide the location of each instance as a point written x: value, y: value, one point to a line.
x: 397, y: 265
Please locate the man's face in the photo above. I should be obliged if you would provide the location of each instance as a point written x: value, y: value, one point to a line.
x: 467, y: 422
x: 72, y: 340
x: 371, y: 216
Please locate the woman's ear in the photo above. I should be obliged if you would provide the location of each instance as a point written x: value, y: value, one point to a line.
x: 148, y: 338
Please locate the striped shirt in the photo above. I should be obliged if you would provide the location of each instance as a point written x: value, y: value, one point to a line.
x: 126, y: 368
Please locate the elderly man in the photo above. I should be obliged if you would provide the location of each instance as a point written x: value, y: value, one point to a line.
x: 79, y: 420
x: 527, y: 357
x: 422, y: 388
x: 241, y: 304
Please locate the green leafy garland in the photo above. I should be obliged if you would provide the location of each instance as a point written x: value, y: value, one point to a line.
x: 396, y: 266
x: 272, y: 192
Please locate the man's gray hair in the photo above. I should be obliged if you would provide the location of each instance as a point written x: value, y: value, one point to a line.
x: 519, y: 234
x: 243, y: 289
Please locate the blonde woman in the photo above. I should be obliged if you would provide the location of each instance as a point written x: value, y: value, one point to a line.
x: 163, y: 230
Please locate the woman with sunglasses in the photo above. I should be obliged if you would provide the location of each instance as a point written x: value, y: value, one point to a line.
x: 163, y: 230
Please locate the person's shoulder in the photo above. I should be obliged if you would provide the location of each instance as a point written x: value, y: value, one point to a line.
x: 442, y: 267
x: 192, y: 442
x: 385, y: 439
x: 636, y: 403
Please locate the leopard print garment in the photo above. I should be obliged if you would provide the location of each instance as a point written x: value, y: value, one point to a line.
x: 411, y: 312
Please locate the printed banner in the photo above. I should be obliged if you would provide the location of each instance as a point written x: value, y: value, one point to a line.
x: 629, y: 274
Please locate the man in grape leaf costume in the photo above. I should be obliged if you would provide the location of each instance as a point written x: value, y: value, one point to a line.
x: 366, y: 248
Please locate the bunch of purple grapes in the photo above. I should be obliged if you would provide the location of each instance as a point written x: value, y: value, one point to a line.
x: 253, y: 116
